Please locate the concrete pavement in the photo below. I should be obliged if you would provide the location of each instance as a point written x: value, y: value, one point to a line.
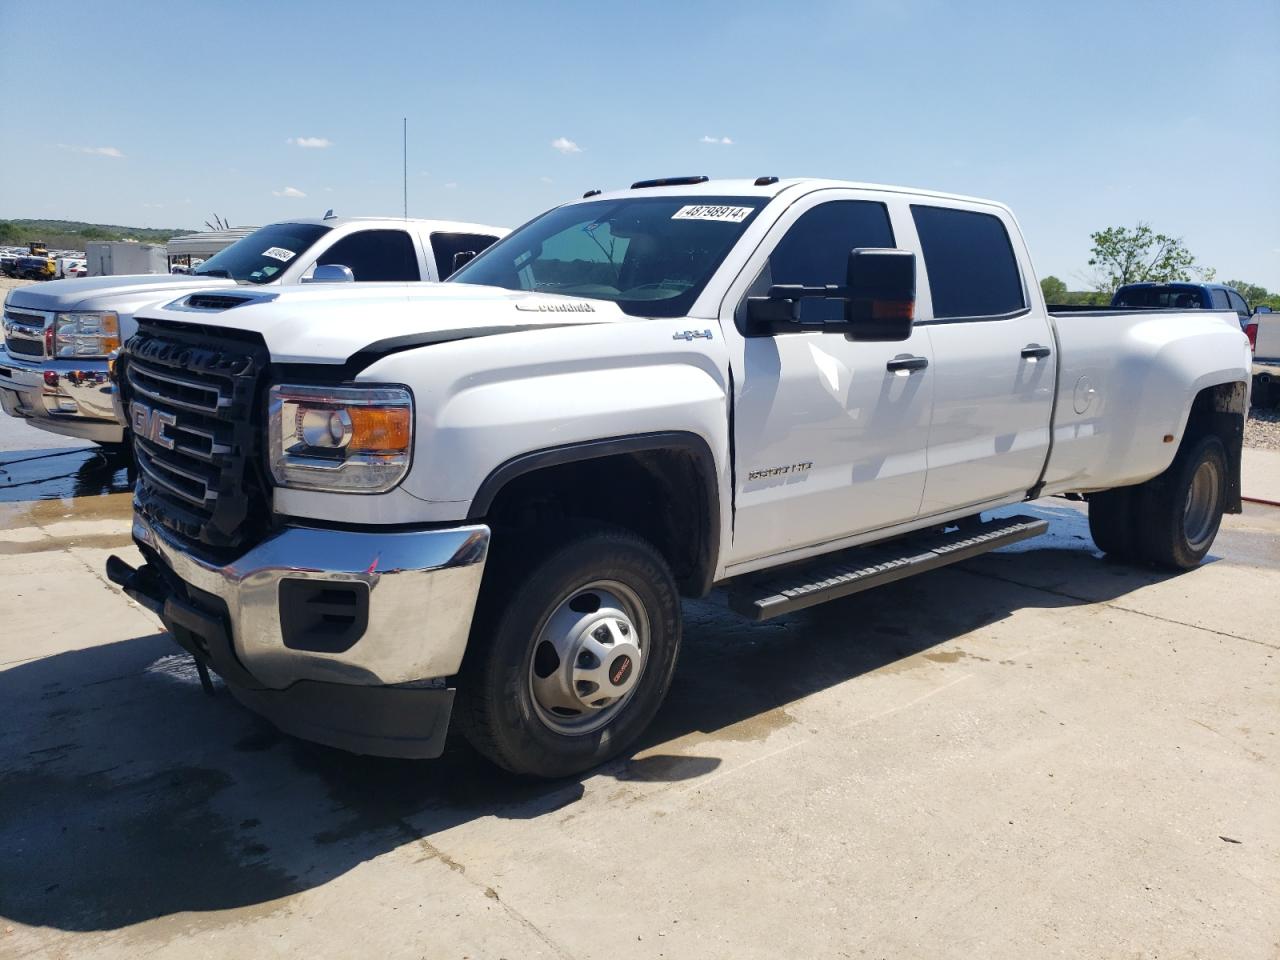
x: 1037, y: 753
x: 1260, y: 474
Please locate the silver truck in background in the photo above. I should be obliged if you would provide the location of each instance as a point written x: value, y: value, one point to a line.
x: 59, y: 336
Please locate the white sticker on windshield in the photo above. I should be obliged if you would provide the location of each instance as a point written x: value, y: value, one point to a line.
x: 709, y: 212
x: 279, y: 253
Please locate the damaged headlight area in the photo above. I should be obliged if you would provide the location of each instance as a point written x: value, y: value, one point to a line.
x: 348, y: 439
x: 93, y: 334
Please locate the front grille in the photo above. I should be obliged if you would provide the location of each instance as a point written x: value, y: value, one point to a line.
x: 24, y: 333
x: 192, y: 396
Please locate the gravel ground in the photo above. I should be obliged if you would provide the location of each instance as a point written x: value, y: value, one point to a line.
x: 1263, y: 429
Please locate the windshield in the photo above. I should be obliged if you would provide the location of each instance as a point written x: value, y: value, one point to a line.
x: 264, y: 254
x: 650, y: 255
x: 1161, y: 295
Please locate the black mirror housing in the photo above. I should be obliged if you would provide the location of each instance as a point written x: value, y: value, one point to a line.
x: 460, y: 260
x: 880, y: 287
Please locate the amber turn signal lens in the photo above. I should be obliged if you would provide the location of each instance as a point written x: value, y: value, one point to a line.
x: 379, y: 428
x: 892, y: 309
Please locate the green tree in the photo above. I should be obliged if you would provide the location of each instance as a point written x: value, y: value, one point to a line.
x: 10, y: 233
x: 1054, y: 290
x: 1122, y: 255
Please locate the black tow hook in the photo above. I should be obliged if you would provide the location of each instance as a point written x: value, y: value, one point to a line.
x: 144, y: 586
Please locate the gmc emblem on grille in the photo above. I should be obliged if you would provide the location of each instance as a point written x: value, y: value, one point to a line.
x: 149, y: 424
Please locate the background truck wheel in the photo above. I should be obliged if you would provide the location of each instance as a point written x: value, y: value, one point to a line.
x: 1180, y: 510
x: 572, y: 653
x: 1113, y: 522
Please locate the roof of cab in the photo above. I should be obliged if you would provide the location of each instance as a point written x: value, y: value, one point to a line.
x: 455, y: 226
x: 753, y: 188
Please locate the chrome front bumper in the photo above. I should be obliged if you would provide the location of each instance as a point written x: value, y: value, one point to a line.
x: 422, y: 589
x: 69, y: 397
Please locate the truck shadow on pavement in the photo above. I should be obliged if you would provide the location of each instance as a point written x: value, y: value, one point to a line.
x: 125, y: 794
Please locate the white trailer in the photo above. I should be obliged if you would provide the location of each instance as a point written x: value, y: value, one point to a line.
x: 111, y: 258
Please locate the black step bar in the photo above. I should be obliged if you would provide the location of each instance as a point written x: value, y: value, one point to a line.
x: 861, y: 568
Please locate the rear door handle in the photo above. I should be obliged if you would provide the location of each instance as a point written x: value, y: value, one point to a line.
x: 1033, y: 351
x: 907, y: 363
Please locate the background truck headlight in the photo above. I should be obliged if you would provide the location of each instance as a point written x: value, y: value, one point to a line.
x: 349, y: 439
x: 93, y: 334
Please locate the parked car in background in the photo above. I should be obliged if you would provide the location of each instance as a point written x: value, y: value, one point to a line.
x: 35, y: 267
x: 1264, y: 338
x: 58, y: 336
x: 798, y: 389
x: 1182, y: 296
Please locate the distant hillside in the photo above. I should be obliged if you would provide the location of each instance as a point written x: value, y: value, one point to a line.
x: 69, y: 234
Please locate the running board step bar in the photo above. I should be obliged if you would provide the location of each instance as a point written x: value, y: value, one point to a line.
x: 861, y: 568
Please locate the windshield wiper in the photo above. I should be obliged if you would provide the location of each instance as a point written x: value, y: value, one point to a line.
x: 215, y: 272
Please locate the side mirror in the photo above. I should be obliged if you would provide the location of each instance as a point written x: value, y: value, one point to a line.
x: 460, y: 260
x: 878, y: 297
x: 1262, y: 310
x: 331, y: 273
x: 881, y: 294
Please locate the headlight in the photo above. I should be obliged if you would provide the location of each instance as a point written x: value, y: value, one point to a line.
x: 354, y: 439
x: 85, y: 334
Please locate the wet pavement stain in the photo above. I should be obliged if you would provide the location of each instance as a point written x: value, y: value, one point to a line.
x: 61, y: 474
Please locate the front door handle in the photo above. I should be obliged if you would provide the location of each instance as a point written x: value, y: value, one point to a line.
x: 908, y: 363
x: 1033, y: 351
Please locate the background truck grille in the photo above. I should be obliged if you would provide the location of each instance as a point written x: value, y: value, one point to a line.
x: 24, y: 333
x: 191, y: 394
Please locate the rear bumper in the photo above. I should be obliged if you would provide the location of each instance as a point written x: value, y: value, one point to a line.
x: 380, y: 687
x: 71, y: 398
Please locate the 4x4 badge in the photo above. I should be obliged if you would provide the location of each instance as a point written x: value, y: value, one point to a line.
x: 687, y: 335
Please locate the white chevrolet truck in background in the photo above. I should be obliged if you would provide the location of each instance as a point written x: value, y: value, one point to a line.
x: 58, y: 336
x: 357, y: 504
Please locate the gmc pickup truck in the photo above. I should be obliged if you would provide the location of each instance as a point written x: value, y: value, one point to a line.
x: 373, y: 509
x: 58, y: 337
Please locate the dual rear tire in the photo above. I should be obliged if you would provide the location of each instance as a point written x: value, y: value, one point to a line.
x: 1171, y: 520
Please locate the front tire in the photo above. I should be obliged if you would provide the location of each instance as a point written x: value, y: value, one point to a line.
x: 1181, y: 510
x: 572, y: 652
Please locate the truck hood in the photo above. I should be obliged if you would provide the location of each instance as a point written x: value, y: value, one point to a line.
x: 331, y: 323
x: 95, y: 293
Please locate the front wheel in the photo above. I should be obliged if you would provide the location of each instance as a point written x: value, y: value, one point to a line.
x: 573, y: 665
x: 1181, y: 510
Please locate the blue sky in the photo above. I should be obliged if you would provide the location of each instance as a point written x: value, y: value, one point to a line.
x: 1080, y: 115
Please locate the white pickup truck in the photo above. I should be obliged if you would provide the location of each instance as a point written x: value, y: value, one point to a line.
x: 355, y: 503
x: 58, y: 336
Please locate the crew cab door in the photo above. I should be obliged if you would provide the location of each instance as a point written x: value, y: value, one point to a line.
x: 994, y: 356
x: 828, y: 441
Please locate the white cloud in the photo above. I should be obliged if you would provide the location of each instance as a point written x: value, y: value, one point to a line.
x: 292, y: 192
x: 112, y: 152
x: 565, y: 145
x: 154, y: 206
x: 719, y: 141
x: 328, y: 189
x: 451, y: 186
x: 312, y: 143
x: 546, y: 179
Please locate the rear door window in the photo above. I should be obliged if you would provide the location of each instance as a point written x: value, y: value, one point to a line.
x: 445, y: 246
x: 376, y: 255
x: 973, y: 273
x: 1219, y: 299
x: 815, y: 251
x: 1237, y: 303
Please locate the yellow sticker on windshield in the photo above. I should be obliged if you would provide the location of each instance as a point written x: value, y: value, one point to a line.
x: 710, y: 212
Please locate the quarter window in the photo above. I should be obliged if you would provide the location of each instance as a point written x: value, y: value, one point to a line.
x: 815, y: 251
x: 971, y: 265
x: 1219, y: 299
x: 376, y: 255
